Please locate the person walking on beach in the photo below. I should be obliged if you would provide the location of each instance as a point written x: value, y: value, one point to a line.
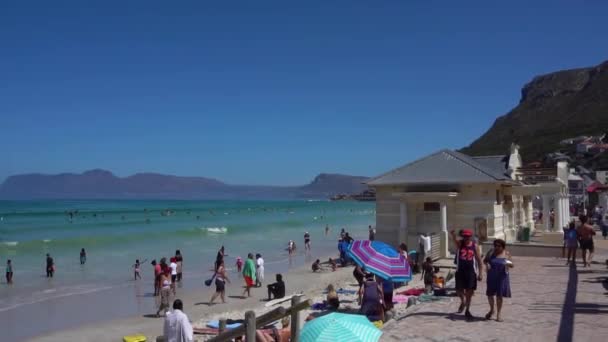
x: 585, y: 234
x: 165, y: 292
x: 179, y: 260
x: 498, y: 262
x: 259, y: 272
x: 220, y: 284
x: 177, y: 327
x: 83, y: 256
x: 428, y: 273
x: 291, y: 247
x: 249, y: 275
x: 467, y: 263
x: 372, y: 233
x: 157, y: 274
x: 219, y: 259
x: 326, y: 229
x: 9, y: 271
x: 307, y: 241
x: 50, y: 266
x: 173, y: 268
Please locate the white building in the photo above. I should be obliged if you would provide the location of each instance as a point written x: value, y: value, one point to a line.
x: 450, y: 190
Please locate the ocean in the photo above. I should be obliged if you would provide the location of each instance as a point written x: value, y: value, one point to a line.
x: 116, y: 232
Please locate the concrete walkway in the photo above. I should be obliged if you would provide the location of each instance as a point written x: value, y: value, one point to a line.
x: 551, y: 302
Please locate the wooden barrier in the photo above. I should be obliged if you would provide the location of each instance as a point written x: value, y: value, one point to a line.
x: 253, y: 323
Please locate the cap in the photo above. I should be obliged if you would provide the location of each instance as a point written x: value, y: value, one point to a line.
x: 466, y: 233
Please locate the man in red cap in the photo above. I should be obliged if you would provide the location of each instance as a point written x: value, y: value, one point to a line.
x: 468, y: 270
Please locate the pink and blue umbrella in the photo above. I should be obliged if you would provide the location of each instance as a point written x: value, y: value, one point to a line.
x: 380, y: 259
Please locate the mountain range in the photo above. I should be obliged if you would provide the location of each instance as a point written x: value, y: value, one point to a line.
x: 102, y: 184
x: 553, y: 107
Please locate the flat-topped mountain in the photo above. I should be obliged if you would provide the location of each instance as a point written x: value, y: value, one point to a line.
x: 96, y: 184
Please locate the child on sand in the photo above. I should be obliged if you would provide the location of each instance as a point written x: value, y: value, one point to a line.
x: 136, y: 269
x: 239, y: 264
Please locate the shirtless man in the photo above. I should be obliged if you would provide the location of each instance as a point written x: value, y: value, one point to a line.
x: 585, y: 238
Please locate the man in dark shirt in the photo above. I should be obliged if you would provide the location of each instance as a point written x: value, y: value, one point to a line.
x: 50, y: 266
x: 277, y: 290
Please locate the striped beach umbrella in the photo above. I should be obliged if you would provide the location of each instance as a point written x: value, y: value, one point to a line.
x: 380, y: 259
x: 337, y: 327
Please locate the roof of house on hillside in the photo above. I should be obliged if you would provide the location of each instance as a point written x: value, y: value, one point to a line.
x: 447, y: 167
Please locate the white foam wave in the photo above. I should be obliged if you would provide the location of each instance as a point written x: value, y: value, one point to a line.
x: 10, y: 243
x: 215, y: 230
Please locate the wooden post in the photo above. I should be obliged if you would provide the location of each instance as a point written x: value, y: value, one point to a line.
x: 222, y: 326
x: 295, y: 319
x: 250, y: 325
x: 261, y: 321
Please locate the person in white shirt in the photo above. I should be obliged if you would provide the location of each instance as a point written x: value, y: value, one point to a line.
x: 259, y: 270
x: 424, y: 248
x: 177, y: 327
x: 173, y: 267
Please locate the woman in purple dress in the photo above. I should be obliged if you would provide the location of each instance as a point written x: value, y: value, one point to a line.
x: 498, y: 262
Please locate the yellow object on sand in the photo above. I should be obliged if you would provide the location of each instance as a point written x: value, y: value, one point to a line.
x: 378, y: 324
x: 134, y: 338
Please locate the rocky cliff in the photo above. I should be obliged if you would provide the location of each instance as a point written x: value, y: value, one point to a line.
x: 553, y: 107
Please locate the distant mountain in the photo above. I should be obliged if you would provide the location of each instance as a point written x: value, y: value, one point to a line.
x: 99, y: 184
x: 553, y: 107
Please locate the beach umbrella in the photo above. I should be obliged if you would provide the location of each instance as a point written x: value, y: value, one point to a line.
x: 340, y: 327
x: 380, y: 259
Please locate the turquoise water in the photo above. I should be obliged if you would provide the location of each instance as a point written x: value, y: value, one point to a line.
x: 115, y: 233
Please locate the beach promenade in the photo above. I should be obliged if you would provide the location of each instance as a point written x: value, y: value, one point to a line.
x: 551, y: 302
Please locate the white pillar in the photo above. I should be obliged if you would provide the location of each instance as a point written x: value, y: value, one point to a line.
x: 402, y: 223
x: 559, y: 213
x: 567, y: 207
x: 444, y: 252
x: 546, y: 213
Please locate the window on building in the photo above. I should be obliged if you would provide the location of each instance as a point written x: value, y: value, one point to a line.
x: 498, y: 199
x: 431, y: 206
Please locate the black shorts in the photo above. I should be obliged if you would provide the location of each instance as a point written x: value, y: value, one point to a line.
x: 306, y: 241
x: 219, y: 285
x: 466, y: 280
x: 587, y: 244
x: 173, y: 277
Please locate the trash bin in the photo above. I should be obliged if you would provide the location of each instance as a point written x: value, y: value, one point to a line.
x: 526, y: 234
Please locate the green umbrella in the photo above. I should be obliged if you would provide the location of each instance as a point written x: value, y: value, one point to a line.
x: 340, y: 327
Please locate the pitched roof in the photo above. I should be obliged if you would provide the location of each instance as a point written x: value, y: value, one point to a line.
x: 446, y: 167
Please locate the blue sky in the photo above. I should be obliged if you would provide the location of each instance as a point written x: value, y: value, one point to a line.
x: 270, y: 92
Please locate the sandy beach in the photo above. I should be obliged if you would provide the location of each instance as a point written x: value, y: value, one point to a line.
x: 196, y: 306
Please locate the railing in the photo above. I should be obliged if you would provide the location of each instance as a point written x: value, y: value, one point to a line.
x: 252, y: 323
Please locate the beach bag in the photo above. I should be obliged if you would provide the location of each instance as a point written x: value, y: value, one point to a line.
x: 134, y: 338
x: 209, y: 281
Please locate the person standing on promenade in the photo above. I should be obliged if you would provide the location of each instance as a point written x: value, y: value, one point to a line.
x: 571, y: 242
x: 50, y: 266
x: 83, y: 256
x: 585, y: 234
x: 498, y: 262
x: 467, y: 273
x: 249, y: 275
x: 177, y: 327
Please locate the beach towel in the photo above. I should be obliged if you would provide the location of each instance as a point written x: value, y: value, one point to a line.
x: 412, y: 292
x: 319, y: 306
x: 215, y: 324
x: 344, y: 291
x: 400, y: 299
x: 134, y: 338
x: 249, y: 269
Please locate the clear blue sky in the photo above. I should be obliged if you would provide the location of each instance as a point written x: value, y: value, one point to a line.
x: 270, y: 92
